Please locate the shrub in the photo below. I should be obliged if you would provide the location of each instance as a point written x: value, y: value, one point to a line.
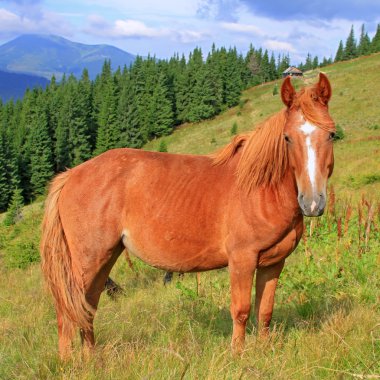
x: 22, y: 254
x: 339, y: 135
x: 14, y: 213
x: 234, y: 129
x: 275, y: 90
x: 371, y: 178
x: 163, y: 147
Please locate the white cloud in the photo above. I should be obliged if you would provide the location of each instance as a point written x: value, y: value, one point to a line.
x: 12, y: 24
x: 242, y: 28
x: 123, y: 28
x: 279, y: 46
x: 190, y: 36
x: 135, y: 29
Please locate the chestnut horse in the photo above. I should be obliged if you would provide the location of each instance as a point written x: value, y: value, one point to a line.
x: 242, y: 207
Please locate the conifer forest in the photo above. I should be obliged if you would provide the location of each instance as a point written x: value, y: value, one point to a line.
x: 69, y: 122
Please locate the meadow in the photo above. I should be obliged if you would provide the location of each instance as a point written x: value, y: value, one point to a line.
x: 326, y: 322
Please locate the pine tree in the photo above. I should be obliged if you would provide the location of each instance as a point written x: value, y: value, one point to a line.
x: 81, y: 125
x: 173, y: 70
x: 233, y: 84
x: 283, y: 65
x: 264, y: 66
x: 147, y: 104
x: 140, y: 112
x: 339, y: 56
x: 4, y: 180
x: 64, y: 97
x: 14, y: 212
x: 364, y: 46
x: 107, y: 137
x: 62, y: 149
x: 182, y: 100
x: 214, y: 76
x: 163, y: 121
x: 200, y: 89
x: 308, y: 63
x: 41, y: 161
x: 315, y: 62
x: 350, y: 50
x: 22, y: 141
x: 249, y: 67
x: 272, y: 68
x: 375, y: 43
x: 254, y: 67
x: 326, y: 61
x: 128, y: 118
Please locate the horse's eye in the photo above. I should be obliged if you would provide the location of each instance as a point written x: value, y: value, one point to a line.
x: 332, y: 135
x: 287, y: 139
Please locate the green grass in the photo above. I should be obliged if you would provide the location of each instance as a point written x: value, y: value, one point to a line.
x: 326, y: 323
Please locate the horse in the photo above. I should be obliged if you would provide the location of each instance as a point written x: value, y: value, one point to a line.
x: 241, y: 207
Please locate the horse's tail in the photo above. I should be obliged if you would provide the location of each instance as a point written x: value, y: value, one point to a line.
x: 65, y: 286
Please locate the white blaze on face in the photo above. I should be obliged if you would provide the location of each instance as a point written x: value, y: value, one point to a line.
x: 311, y: 159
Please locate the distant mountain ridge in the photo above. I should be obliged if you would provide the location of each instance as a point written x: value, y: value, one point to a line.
x: 48, y: 55
x: 13, y: 85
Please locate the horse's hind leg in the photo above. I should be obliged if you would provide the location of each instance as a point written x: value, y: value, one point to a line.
x: 65, y: 333
x: 94, y: 283
x: 112, y: 288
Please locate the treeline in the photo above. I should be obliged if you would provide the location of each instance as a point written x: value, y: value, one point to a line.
x: 69, y: 122
x: 353, y: 49
x: 313, y: 63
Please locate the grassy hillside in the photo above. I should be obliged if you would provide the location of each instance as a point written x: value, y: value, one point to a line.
x: 326, y: 323
x: 354, y: 106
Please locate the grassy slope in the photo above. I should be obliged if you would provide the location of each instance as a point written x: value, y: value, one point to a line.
x: 327, y: 319
x: 354, y: 106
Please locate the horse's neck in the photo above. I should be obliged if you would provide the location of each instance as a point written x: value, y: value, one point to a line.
x: 287, y: 193
x: 283, y: 197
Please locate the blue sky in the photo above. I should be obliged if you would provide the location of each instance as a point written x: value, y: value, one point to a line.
x: 163, y: 27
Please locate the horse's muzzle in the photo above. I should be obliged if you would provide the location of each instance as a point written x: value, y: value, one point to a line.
x: 312, y: 206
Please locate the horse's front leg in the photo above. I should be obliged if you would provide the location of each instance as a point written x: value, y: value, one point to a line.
x: 242, y: 268
x: 266, y: 283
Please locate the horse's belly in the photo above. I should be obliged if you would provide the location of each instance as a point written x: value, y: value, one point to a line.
x: 174, y: 253
x: 279, y: 251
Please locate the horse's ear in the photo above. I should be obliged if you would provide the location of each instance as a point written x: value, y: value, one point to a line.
x: 287, y: 92
x: 324, y: 88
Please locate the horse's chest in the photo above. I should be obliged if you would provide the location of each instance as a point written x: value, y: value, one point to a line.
x: 280, y: 250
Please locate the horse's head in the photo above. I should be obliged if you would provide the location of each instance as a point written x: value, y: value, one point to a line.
x: 309, y: 133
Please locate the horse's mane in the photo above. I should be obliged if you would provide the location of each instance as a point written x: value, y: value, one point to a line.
x: 313, y: 109
x: 264, y: 159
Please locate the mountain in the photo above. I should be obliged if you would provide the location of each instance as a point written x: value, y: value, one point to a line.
x: 47, y: 55
x: 13, y: 85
